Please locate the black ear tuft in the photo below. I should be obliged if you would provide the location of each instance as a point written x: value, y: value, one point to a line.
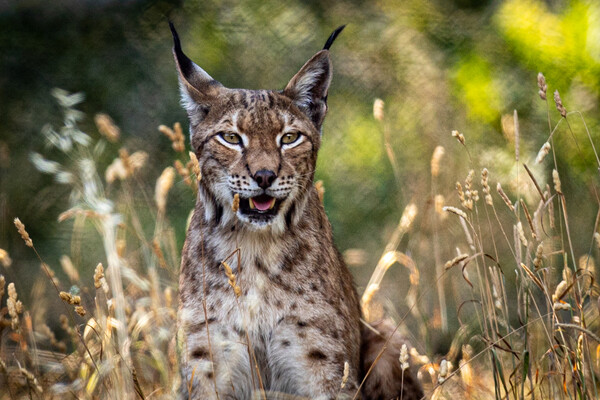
x: 333, y: 36
x: 175, y: 35
x: 184, y: 62
x: 198, y: 89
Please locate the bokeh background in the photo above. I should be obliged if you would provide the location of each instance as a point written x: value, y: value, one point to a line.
x: 438, y: 65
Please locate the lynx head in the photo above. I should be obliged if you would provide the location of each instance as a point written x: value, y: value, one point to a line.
x: 259, y: 144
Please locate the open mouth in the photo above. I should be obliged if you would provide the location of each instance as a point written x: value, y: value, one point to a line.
x: 263, y: 206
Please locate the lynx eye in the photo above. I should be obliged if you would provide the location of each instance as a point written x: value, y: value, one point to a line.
x: 232, y: 138
x: 290, y: 137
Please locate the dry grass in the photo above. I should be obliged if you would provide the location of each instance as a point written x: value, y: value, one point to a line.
x: 527, y: 316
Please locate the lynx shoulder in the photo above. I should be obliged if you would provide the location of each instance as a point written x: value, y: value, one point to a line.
x: 266, y: 302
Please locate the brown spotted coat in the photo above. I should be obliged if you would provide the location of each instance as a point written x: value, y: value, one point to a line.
x: 297, y: 318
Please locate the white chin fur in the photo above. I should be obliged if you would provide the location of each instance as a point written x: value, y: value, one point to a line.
x: 276, y: 224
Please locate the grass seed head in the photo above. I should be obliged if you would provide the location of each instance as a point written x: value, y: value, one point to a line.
x: 320, y: 190
x: 521, y: 233
x: 183, y: 172
x: 459, y: 136
x: 138, y: 159
x: 456, y: 211
x: 408, y: 216
x: 235, y: 204
x: 560, y: 292
x: 168, y: 292
x: 559, y: 105
x: 73, y: 300
x: 561, y: 306
x: 232, y: 279
x: 469, y: 179
x: 543, y: 153
x: 168, y: 132
x: 460, y: 192
x: 99, y: 279
x: 469, y: 195
x: 486, y: 187
x: 567, y: 274
x: 539, y: 254
x: 179, y: 144
x: 541, y: 80
x: 162, y: 262
x: 436, y: 160
x: 378, y: 109
x: 404, y: 357
x: 125, y: 166
x: 163, y: 185
x: 124, y: 157
x: 455, y: 260
x: 439, y: 202
x: 107, y: 127
x: 580, y: 353
x: 556, y: 180
x: 14, y: 306
x: 5, y: 259
x: 24, y: 235
x: 115, y: 171
x: 64, y: 296
x: 443, y: 373
x: 195, y: 165
x: 505, y: 197
x: 175, y: 135
x: 345, y: 375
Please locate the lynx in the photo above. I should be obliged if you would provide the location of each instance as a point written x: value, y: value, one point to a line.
x: 267, y: 306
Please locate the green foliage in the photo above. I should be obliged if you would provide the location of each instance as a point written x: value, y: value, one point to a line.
x: 477, y: 89
x: 562, y: 42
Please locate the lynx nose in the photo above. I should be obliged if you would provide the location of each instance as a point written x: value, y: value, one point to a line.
x: 264, y: 178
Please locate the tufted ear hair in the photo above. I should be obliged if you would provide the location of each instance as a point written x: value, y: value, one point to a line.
x: 198, y: 89
x: 309, y: 87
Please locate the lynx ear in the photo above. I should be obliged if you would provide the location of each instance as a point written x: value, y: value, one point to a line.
x: 308, y: 88
x: 198, y: 89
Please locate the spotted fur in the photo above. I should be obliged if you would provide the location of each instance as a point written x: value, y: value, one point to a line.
x: 297, y: 318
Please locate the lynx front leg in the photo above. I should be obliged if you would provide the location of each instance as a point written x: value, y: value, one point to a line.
x: 307, y: 359
x: 220, y: 365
